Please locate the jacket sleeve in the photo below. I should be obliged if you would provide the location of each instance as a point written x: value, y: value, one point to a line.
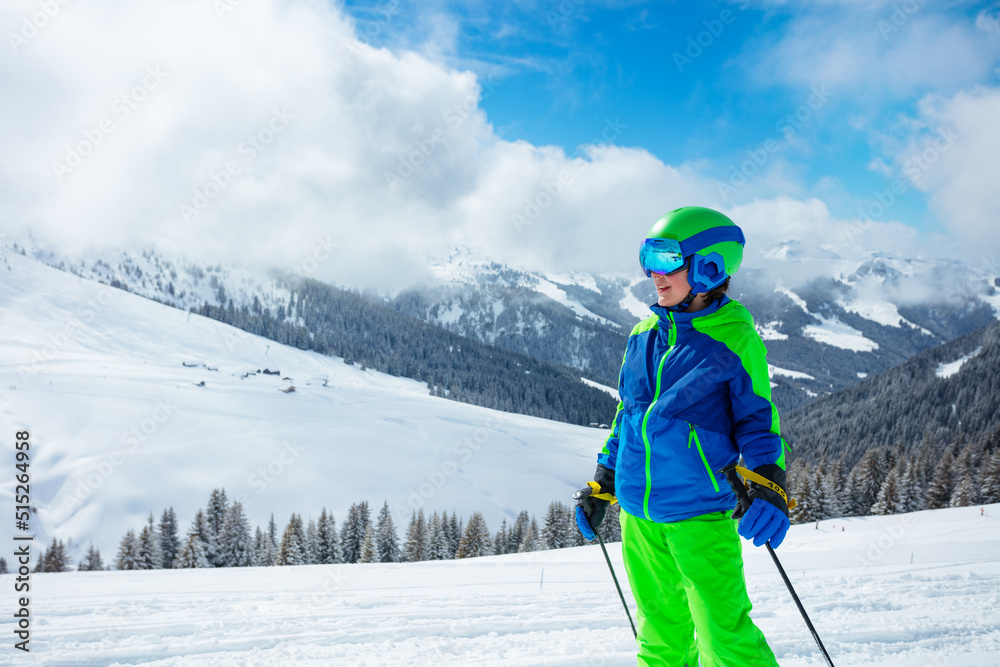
x: 609, y: 453
x: 756, y: 426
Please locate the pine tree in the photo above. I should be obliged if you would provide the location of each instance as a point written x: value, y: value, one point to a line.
x: 386, y: 539
x: 149, y: 556
x: 200, y: 529
x: 476, y: 538
x: 292, y: 550
x: 128, y: 552
x: 259, y: 548
x: 888, y: 496
x: 192, y: 553
x: 327, y: 533
x: 415, y: 548
x: 3, y: 565
x: 437, y: 543
x: 942, y: 483
x: 215, y: 517
x: 517, y: 532
x: 501, y: 539
x: 555, y: 534
x: 454, y: 533
x: 369, y: 549
x: 989, y: 479
x: 833, y: 489
x: 805, y: 508
x: 55, y: 558
x: 529, y: 538
x: 353, y: 531
x: 965, y: 492
x: 270, y: 553
x: 611, y: 527
x: 911, y: 496
x: 312, y: 543
x: 92, y: 561
x: 865, y: 481
x: 235, y: 543
x: 169, y: 542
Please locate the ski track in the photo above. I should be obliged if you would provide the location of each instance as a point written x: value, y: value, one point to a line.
x: 941, y: 610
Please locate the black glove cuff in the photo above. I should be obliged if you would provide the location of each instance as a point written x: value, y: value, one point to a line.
x: 606, y: 478
x: 776, y: 475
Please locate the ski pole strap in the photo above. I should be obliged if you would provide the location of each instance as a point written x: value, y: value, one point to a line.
x: 764, y: 481
x: 595, y: 492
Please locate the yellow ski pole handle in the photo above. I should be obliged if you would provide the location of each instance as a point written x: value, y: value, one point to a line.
x: 764, y: 481
x: 595, y: 492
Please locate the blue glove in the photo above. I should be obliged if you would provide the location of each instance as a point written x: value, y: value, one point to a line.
x: 598, y: 509
x: 763, y: 522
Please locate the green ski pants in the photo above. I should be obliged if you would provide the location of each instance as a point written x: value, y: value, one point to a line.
x: 687, y: 577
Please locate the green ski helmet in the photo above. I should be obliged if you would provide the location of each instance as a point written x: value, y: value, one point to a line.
x: 704, y: 240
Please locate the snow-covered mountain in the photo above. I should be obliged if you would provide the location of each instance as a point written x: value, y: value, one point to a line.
x: 134, y: 406
x: 828, y: 320
x: 908, y: 590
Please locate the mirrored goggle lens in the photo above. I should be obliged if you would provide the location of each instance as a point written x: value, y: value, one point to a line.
x: 661, y: 256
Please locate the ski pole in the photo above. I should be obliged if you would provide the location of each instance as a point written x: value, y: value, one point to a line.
x: 585, y: 493
x: 741, y: 493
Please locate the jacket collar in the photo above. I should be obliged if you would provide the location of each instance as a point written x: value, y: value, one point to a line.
x: 681, y: 317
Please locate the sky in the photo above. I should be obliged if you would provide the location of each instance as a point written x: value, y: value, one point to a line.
x: 371, y: 136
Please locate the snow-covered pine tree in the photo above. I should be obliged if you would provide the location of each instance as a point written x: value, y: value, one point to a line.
x: 911, y: 496
x: 192, y: 553
x: 199, y: 528
x: 55, y: 558
x: 312, y: 543
x: 887, y: 501
x: 453, y: 532
x: 128, y: 552
x: 437, y: 543
x: 259, y: 547
x: 989, y: 479
x: 149, y: 556
x: 820, y: 503
x: 865, y: 481
x: 529, y: 537
x: 555, y: 534
x: 833, y: 489
x: 517, y: 532
x: 801, y: 479
x: 611, y: 527
x: 292, y: 550
x: 386, y: 538
x: 965, y: 491
x: 235, y: 543
x: 501, y: 538
x: 215, y: 517
x: 327, y: 533
x: 415, y: 548
x: 271, y: 545
x: 92, y: 560
x: 369, y: 549
x: 352, y: 532
x: 476, y: 538
x: 169, y: 541
x: 942, y: 483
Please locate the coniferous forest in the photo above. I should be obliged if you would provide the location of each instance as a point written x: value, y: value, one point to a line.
x: 336, y: 322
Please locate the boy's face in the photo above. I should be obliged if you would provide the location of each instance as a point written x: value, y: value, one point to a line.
x: 671, y: 288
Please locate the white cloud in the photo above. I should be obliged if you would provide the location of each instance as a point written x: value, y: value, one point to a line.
x: 388, y: 155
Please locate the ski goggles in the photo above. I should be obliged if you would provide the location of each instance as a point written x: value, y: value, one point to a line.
x: 661, y: 256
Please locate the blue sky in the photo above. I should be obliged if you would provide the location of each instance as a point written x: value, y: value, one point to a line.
x: 704, y: 83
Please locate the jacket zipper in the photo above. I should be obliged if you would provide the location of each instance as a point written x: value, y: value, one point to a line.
x: 694, y: 436
x: 671, y: 342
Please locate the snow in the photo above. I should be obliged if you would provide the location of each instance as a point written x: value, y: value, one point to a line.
x: 795, y: 375
x: 597, y: 385
x: 584, y: 280
x: 951, y: 368
x: 796, y: 299
x: 554, y: 292
x: 452, y: 315
x: 123, y: 428
x: 631, y: 304
x: 896, y: 591
x: 833, y: 332
x: 769, y: 331
x: 870, y: 307
x: 862, y: 375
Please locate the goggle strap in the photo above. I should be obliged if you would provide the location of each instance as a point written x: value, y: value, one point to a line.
x: 693, y: 244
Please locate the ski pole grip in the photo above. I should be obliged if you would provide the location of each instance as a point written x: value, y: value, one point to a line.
x: 734, y: 480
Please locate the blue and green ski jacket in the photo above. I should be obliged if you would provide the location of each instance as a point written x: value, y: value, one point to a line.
x: 695, y: 395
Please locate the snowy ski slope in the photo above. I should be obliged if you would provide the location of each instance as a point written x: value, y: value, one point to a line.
x: 916, y: 590
x: 109, y: 385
